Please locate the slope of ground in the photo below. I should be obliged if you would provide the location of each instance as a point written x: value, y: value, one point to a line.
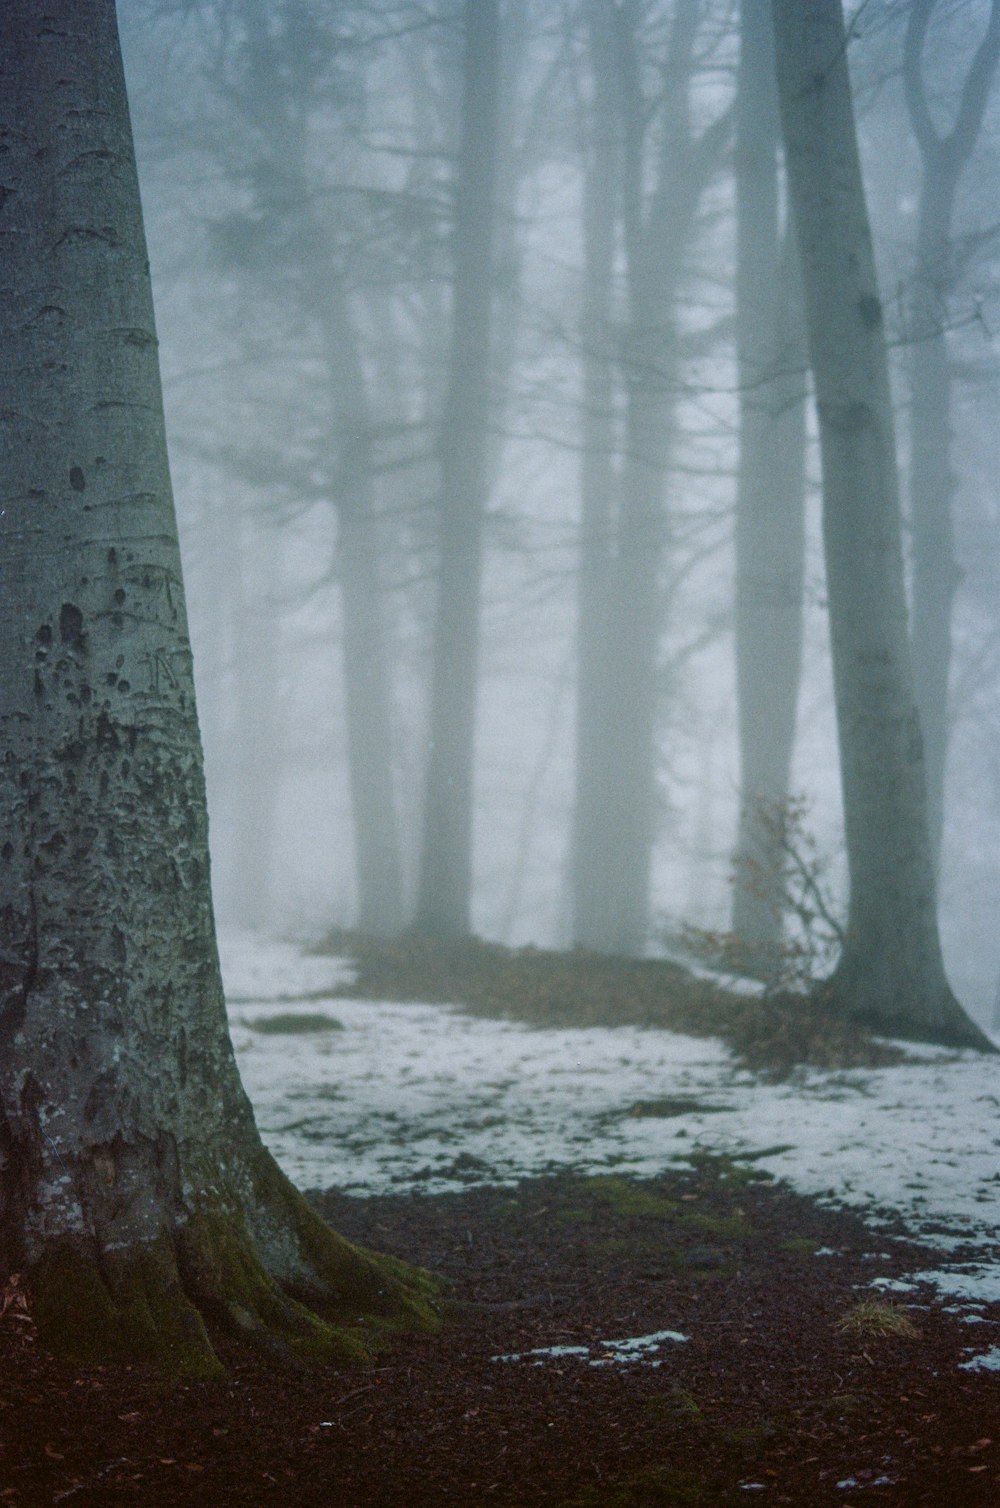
x: 704, y: 1336
x: 783, y: 1390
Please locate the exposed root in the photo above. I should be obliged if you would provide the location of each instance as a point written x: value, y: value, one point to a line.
x: 298, y: 1292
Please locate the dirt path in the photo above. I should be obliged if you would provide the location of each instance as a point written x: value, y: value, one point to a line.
x: 770, y: 1398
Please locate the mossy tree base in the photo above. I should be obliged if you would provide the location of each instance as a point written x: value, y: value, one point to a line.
x: 168, y: 1303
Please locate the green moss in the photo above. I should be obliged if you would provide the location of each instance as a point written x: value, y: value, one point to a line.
x: 650, y: 1487
x: 678, y: 1405
x: 163, y: 1304
x: 129, y: 1309
x: 292, y: 1023
x: 732, y: 1227
x: 626, y: 1197
x: 803, y: 1246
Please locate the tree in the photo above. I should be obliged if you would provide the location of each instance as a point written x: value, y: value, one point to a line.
x: 278, y: 72
x: 890, y: 973
x: 770, y: 506
x: 135, y: 1193
x: 445, y: 879
x: 615, y: 820
x: 943, y: 156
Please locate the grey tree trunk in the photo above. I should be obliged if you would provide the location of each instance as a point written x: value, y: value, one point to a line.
x: 367, y: 678
x: 445, y: 877
x: 135, y: 1193
x: 770, y: 505
x: 890, y: 974
x: 592, y: 835
x: 936, y: 573
x: 620, y: 788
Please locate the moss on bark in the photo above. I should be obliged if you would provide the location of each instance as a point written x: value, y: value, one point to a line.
x: 167, y: 1304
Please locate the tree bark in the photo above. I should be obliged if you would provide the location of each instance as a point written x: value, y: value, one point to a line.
x: 770, y: 505
x: 592, y: 835
x: 620, y: 784
x: 890, y: 974
x: 135, y: 1193
x: 445, y: 877
x: 936, y: 574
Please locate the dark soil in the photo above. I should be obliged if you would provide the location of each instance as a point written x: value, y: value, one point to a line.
x: 769, y: 1400
x: 777, y: 1396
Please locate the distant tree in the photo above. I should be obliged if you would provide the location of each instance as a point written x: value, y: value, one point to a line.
x: 944, y: 153
x: 890, y: 974
x: 445, y: 877
x: 593, y: 756
x: 770, y: 505
x: 280, y: 69
x: 666, y: 165
x: 135, y: 1193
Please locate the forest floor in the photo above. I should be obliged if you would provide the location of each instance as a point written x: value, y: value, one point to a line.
x: 702, y: 1335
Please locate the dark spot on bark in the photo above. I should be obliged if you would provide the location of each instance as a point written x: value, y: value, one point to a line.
x: 105, y: 734
x: 870, y: 309
x: 111, y: 678
x: 85, y: 695
x: 7, y: 852
x: 112, y: 553
x: 124, y: 686
x: 848, y: 418
x: 119, y: 596
x: 105, y: 782
x: 39, y: 685
x: 72, y: 751
x: 126, y: 769
x: 77, y: 480
x: 55, y: 844
x: 71, y: 625
x: 44, y: 634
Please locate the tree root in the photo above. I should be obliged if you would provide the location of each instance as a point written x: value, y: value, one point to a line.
x: 272, y: 1276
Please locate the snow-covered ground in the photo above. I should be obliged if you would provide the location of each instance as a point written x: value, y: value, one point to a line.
x: 424, y: 1098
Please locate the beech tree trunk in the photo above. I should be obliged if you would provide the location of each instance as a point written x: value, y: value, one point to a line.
x: 593, y: 835
x: 936, y: 574
x: 616, y: 791
x: 890, y: 974
x: 135, y: 1193
x: 445, y: 878
x: 770, y: 506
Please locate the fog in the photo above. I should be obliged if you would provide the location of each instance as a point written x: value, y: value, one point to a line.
x: 302, y: 171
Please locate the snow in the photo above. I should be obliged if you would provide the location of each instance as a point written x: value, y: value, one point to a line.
x: 425, y: 1099
x: 604, y: 1353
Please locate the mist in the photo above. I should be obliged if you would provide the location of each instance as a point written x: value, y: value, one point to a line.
x: 562, y: 413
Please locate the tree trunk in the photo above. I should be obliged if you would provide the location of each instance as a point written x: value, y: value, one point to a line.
x: 593, y: 825
x: 445, y: 879
x: 770, y: 513
x: 254, y: 754
x: 890, y: 974
x: 367, y: 677
x: 932, y: 482
x: 658, y: 226
x: 135, y: 1193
